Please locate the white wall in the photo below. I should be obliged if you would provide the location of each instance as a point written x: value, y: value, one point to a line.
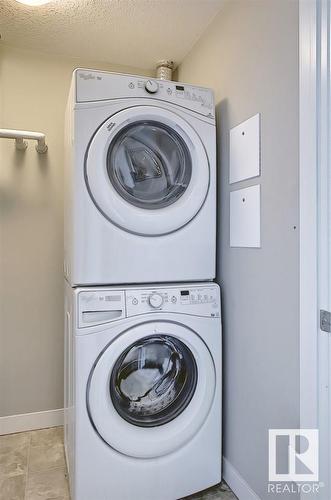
x: 33, y: 93
x: 249, y: 56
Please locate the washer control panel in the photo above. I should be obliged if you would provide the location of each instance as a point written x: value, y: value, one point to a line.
x: 198, y: 301
x: 102, y: 306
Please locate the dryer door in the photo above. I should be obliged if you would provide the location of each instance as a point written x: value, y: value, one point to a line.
x: 147, y: 171
x: 151, y: 389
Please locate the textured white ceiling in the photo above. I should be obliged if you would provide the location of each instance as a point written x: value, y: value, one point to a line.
x: 130, y: 32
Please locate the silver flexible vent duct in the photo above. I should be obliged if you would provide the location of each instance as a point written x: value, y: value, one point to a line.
x: 164, y: 69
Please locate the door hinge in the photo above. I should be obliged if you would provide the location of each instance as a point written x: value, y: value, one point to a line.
x: 325, y: 321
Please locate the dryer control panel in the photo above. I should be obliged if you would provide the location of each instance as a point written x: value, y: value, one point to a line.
x: 94, y: 85
x: 105, y: 305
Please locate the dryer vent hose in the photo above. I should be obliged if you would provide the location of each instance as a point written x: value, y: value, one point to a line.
x: 164, y: 69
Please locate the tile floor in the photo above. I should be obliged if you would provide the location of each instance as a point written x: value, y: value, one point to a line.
x: 219, y: 492
x: 32, y: 467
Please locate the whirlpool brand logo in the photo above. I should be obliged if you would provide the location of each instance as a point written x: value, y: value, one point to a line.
x: 87, y: 76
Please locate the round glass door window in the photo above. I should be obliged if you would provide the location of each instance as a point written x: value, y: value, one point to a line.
x: 149, y: 164
x: 153, y: 381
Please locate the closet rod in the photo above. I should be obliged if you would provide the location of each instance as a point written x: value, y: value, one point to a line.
x: 20, y: 135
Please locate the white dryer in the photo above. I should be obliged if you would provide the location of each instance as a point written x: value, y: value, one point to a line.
x: 143, y: 391
x: 140, y: 182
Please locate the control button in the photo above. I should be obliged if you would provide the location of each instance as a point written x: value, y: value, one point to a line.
x: 131, y: 85
x: 151, y: 86
x: 155, y: 300
x: 173, y: 299
x: 135, y: 301
x: 169, y: 91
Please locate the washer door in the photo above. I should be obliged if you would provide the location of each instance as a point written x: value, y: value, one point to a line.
x: 151, y: 389
x: 147, y: 171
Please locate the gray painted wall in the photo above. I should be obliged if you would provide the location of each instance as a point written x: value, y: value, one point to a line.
x: 249, y: 56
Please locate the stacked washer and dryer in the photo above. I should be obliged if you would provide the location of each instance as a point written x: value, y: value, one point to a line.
x: 142, y: 314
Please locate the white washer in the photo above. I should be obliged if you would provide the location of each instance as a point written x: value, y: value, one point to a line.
x: 143, y: 391
x: 140, y: 203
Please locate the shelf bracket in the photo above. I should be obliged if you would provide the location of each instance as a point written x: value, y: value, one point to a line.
x: 20, y: 135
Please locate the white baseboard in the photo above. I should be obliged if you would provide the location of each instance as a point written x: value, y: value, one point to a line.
x: 30, y: 421
x: 237, y: 483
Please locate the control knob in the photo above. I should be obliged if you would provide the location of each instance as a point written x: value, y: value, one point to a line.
x: 151, y: 86
x: 155, y: 300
